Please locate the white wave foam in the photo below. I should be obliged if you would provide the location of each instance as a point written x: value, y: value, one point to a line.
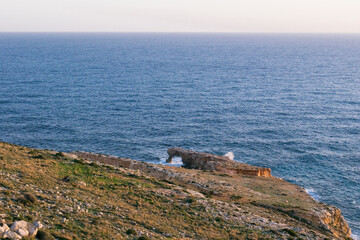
x: 313, y: 193
x: 230, y: 155
x: 176, y: 161
x: 355, y: 236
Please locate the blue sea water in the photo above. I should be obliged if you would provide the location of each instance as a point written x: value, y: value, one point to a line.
x: 288, y: 102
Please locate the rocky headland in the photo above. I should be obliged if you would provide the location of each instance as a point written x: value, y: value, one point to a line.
x: 81, y: 195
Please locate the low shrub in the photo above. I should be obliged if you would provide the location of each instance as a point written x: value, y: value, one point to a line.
x: 43, y: 235
x: 143, y: 238
x: 290, y: 232
x: 131, y: 232
x: 59, y: 155
x: 28, y: 199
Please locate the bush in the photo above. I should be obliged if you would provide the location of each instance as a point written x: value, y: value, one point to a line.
x: 143, y: 238
x: 290, y: 232
x: 93, y: 164
x: 59, y: 155
x: 235, y: 197
x: 131, y: 232
x: 28, y: 199
x: 80, y: 161
x: 42, y: 235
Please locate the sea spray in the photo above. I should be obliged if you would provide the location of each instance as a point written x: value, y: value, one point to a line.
x: 230, y: 155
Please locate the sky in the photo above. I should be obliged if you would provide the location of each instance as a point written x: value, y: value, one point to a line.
x: 264, y: 16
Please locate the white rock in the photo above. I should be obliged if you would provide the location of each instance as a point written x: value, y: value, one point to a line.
x: 3, y: 228
x: 22, y: 232
x: 32, y: 229
x: 18, y: 224
x: 81, y: 183
x: 12, y: 235
x: 38, y: 224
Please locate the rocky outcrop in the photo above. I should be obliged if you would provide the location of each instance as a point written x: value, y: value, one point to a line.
x: 19, y: 229
x: 108, y: 159
x: 212, y: 162
x: 330, y: 218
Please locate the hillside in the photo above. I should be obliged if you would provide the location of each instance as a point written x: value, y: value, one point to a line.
x: 92, y: 196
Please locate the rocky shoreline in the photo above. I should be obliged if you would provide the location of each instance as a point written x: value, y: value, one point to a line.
x: 79, y: 193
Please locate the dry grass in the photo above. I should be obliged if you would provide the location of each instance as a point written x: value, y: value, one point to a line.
x: 77, y: 200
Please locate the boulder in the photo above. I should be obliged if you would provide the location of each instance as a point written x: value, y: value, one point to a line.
x: 11, y: 235
x: 3, y: 228
x: 24, y: 228
x: 32, y: 229
x: 18, y: 225
x: 38, y: 224
x: 22, y: 232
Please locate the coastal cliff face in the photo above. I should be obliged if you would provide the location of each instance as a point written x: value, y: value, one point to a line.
x: 330, y: 218
x: 93, y: 196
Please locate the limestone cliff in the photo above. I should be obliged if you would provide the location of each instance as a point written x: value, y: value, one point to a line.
x: 212, y: 162
x: 93, y: 196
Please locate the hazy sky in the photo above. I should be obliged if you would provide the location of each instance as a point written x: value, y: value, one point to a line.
x: 180, y: 15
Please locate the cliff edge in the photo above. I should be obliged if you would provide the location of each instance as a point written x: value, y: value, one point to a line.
x: 84, y: 195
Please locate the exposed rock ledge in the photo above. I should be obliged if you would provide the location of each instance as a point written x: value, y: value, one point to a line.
x: 212, y: 162
x: 315, y: 215
x: 125, y: 198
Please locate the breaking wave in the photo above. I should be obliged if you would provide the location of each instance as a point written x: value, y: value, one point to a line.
x: 230, y: 155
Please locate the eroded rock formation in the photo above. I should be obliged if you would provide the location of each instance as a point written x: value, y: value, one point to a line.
x: 212, y: 162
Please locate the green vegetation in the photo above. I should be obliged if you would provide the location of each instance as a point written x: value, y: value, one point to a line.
x: 43, y: 235
x: 290, y: 232
x: 81, y: 199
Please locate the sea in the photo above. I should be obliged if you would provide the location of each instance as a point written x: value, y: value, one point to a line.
x: 290, y: 102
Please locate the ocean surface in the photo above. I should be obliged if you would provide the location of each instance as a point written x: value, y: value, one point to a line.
x: 287, y: 102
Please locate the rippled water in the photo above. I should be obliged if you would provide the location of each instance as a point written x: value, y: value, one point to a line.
x: 288, y: 102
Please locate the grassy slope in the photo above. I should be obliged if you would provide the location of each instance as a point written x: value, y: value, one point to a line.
x: 77, y: 200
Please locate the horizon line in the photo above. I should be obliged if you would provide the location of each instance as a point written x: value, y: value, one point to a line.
x: 180, y: 32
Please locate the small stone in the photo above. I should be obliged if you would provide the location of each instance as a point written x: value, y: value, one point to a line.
x: 81, y: 183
